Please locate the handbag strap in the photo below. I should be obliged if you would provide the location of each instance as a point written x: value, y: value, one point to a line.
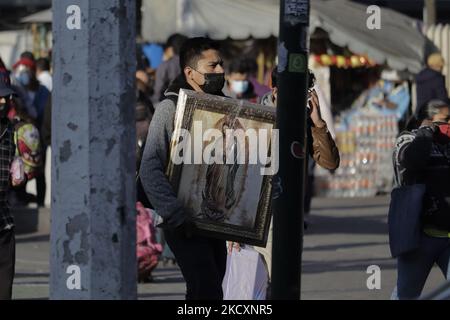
x: 443, y: 152
x: 397, y: 177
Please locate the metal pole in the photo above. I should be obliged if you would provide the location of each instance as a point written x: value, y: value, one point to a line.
x: 291, y: 122
x: 93, y: 231
x: 429, y: 13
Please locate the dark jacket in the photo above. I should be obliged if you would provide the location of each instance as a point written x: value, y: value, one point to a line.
x: 46, y: 128
x: 7, y: 151
x: 167, y: 72
x: 156, y: 158
x: 418, y: 158
x: 430, y: 85
x: 321, y: 145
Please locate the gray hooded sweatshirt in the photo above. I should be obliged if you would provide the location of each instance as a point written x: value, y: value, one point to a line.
x: 156, y: 158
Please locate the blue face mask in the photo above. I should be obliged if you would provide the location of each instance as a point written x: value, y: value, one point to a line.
x: 239, y: 86
x: 24, y: 78
x: 388, y: 86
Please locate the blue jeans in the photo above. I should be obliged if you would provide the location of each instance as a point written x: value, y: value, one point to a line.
x: 413, y: 268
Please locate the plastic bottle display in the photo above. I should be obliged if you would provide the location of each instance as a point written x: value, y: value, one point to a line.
x: 365, y: 148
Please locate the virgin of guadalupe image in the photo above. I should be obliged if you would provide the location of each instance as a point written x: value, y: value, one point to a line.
x: 224, y: 182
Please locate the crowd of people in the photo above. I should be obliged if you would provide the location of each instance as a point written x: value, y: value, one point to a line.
x: 24, y: 99
x: 202, y: 260
x: 421, y: 156
x: 31, y: 81
x: 421, y: 160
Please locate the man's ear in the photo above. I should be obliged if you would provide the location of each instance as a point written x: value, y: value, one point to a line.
x: 188, y: 73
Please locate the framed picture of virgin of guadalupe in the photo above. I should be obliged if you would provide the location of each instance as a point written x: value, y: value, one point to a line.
x: 223, y: 155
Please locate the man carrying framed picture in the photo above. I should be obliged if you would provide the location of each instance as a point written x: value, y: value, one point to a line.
x: 202, y: 260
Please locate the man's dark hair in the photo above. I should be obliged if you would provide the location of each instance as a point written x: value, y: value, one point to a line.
x: 43, y: 64
x: 176, y: 41
x: 238, y: 66
x: 252, y: 66
x: 191, y: 51
x: 28, y: 55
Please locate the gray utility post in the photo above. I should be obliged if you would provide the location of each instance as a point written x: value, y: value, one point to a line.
x: 429, y: 13
x: 93, y: 232
x: 291, y: 121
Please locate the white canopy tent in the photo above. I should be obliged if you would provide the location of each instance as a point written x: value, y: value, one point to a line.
x: 44, y: 16
x: 399, y: 43
x: 218, y: 19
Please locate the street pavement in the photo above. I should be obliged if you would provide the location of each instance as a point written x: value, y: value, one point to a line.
x: 344, y: 238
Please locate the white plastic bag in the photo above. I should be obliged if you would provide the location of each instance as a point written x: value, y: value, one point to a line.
x: 246, y: 277
x: 17, y: 172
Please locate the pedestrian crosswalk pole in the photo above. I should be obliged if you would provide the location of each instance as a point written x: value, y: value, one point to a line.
x: 293, y: 46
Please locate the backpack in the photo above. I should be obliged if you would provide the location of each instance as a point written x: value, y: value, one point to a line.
x: 28, y: 147
x: 147, y: 249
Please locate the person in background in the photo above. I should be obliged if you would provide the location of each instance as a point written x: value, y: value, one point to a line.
x: 430, y: 84
x: 170, y: 68
x: 393, y: 98
x: 24, y: 75
x: 143, y: 93
x: 43, y: 73
x: 45, y: 78
x: 387, y: 94
x: 238, y: 84
x: 21, y: 96
x: 202, y: 260
x: 16, y: 196
x: 321, y: 147
x: 28, y: 55
x: 144, y: 116
x: 7, y: 152
x: 422, y: 156
x: 323, y: 90
x: 145, y: 75
x: 252, y: 70
x: 46, y: 129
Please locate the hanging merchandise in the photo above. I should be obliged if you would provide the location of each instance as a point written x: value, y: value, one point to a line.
x: 340, y: 61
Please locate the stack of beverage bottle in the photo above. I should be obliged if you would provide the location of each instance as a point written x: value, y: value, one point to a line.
x: 365, y: 147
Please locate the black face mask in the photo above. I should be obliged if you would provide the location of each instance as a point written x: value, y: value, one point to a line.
x: 214, y: 82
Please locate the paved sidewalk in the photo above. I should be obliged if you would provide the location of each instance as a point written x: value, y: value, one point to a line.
x: 344, y: 238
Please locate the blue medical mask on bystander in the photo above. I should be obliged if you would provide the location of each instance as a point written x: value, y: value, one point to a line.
x: 239, y: 86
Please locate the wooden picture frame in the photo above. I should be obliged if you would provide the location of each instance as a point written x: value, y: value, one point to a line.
x: 225, y: 201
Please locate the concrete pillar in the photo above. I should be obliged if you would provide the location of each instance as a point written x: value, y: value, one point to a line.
x: 93, y: 231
